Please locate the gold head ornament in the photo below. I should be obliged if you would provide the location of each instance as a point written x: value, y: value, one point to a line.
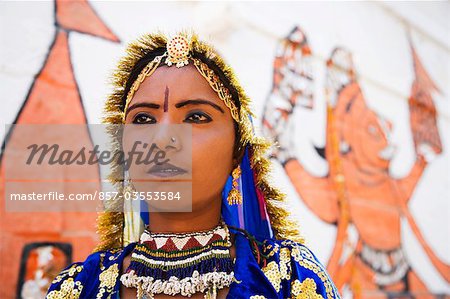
x: 178, y: 53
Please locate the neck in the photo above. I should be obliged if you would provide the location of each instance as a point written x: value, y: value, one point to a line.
x: 180, y: 222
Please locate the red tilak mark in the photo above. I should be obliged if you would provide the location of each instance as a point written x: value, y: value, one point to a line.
x: 166, y: 99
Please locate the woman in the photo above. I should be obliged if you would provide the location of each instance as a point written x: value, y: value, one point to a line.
x: 237, y: 241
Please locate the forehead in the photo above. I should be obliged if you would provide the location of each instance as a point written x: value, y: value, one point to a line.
x: 183, y: 83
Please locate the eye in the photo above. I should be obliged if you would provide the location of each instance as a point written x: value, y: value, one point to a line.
x: 143, y: 118
x: 198, y: 117
x: 372, y: 129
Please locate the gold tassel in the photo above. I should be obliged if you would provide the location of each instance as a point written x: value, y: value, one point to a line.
x: 234, y: 196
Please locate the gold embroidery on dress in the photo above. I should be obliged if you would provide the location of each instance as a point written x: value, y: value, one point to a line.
x: 108, y: 279
x: 69, y: 288
x: 306, y: 260
x: 273, y: 251
x: 102, y: 257
x: 289, y: 250
x: 276, y: 272
x: 305, y: 290
x: 273, y: 274
x: 285, y: 263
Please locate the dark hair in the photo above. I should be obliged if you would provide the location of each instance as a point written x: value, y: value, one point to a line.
x: 139, y: 66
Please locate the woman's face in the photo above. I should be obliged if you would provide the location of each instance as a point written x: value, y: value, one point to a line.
x: 172, y: 96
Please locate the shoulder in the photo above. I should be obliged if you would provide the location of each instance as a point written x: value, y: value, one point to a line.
x: 294, y: 270
x: 97, y: 274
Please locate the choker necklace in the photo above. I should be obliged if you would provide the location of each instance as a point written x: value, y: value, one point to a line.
x: 181, y: 263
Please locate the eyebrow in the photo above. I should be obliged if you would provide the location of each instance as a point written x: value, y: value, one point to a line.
x: 199, y: 102
x: 138, y: 105
x: 177, y: 105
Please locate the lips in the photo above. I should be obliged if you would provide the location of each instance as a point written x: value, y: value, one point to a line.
x: 166, y: 170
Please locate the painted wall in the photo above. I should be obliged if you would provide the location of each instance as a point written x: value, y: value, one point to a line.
x: 355, y: 93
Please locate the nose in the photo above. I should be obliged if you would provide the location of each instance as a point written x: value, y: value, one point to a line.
x: 166, y: 137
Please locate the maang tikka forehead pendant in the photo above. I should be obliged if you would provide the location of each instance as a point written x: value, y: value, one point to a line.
x: 178, y: 49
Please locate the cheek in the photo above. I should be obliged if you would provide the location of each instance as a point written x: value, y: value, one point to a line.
x: 212, y: 156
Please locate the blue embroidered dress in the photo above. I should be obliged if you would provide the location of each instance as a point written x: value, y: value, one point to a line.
x: 291, y: 271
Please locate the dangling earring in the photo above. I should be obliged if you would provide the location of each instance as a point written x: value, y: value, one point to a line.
x: 132, y: 229
x: 128, y: 187
x: 235, y: 197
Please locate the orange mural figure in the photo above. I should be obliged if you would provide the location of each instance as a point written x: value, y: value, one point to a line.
x: 358, y: 192
x: 53, y: 98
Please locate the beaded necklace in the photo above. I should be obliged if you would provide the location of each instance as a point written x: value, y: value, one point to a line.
x: 181, y: 263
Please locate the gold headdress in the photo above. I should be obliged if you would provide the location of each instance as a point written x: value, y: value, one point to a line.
x: 179, y: 51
